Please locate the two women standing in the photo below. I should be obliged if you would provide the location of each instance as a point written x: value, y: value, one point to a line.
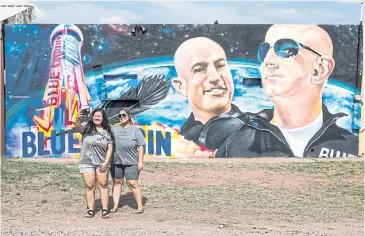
x: 96, y: 158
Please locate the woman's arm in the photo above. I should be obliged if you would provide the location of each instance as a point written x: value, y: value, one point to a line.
x: 108, y: 157
x: 140, y: 157
x: 109, y: 153
x: 141, y: 143
x: 78, y: 126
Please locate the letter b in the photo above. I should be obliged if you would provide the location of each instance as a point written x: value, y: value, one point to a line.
x: 28, y: 144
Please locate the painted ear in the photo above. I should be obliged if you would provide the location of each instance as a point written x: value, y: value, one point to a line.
x: 323, y: 69
x: 180, y: 85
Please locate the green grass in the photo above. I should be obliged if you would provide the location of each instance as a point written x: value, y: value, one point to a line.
x: 25, y: 175
x: 340, y: 197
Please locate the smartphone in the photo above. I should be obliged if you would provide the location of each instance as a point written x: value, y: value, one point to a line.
x: 84, y: 112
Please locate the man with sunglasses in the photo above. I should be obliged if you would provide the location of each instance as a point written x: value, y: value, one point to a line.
x: 296, y: 62
x: 204, y: 77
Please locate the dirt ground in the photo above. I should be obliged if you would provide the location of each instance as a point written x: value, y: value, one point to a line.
x: 49, y: 207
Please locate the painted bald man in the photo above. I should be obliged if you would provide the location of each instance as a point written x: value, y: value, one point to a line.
x: 296, y: 62
x: 205, y: 78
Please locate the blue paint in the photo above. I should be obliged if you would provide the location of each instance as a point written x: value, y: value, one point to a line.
x: 28, y: 144
x: 163, y: 143
x: 57, y: 143
x: 41, y: 150
x: 72, y: 142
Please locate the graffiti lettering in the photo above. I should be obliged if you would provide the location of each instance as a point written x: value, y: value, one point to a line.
x: 162, y: 143
x: 52, y: 96
x: 28, y: 144
x: 54, y: 80
x: 58, y: 144
x: 326, y: 152
x: 57, y: 53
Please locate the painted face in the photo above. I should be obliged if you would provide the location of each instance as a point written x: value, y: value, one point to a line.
x: 286, y: 77
x: 98, y: 118
x: 123, y: 116
x: 209, y: 79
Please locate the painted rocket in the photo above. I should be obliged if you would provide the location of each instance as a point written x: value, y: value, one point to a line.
x: 66, y: 92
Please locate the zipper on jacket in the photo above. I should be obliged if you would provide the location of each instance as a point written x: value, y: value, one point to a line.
x: 285, y: 143
x: 324, y: 130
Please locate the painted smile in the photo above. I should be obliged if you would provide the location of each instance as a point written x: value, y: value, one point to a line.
x: 274, y: 77
x: 215, y: 91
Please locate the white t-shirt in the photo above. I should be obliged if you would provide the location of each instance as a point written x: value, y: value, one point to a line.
x: 298, y: 138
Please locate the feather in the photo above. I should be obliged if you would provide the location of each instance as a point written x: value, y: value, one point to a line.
x: 149, y: 92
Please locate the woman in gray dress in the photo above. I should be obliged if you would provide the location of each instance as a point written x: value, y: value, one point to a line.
x: 128, y: 159
x: 95, y: 157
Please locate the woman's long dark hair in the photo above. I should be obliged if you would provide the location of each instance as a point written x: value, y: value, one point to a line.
x: 126, y: 110
x: 91, y: 126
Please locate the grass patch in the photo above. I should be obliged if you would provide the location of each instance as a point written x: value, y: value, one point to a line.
x: 25, y: 175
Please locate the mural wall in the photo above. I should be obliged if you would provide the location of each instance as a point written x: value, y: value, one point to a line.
x: 194, y: 90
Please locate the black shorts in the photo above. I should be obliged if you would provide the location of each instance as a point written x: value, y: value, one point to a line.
x: 119, y: 171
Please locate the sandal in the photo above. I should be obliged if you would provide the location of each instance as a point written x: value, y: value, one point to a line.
x: 90, y: 214
x: 105, y: 213
x: 113, y: 210
x: 139, y: 211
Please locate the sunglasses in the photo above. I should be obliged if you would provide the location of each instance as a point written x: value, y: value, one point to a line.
x: 284, y: 48
x: 122, y: 115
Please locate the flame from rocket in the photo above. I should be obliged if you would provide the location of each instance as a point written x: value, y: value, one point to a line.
x: 66, y: 92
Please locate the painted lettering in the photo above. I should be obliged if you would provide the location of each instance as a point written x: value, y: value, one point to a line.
x: 28, y: 144
x: 52, y: 101
x: 71, y: 142
x: 151, y: 148
x: 327, y: 152
x: 55, y: 74
x: 324, y: 152
x: 57, y: 53
x: 163, y: 142
x: 57, y: 143
x: 57, y: 147
x: 52, y: 83
x: 41, y: 150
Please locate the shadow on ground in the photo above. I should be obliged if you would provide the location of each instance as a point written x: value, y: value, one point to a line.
x: 125, y: 200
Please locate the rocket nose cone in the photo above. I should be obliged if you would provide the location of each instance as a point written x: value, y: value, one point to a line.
x: 74, y: 28
x: 66, y: 29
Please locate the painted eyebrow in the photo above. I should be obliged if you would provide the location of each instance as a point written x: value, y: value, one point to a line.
x: 220, y: 60
x: 205, y: 64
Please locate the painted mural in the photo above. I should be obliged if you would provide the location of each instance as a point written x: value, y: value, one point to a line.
x: 194, y: 90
